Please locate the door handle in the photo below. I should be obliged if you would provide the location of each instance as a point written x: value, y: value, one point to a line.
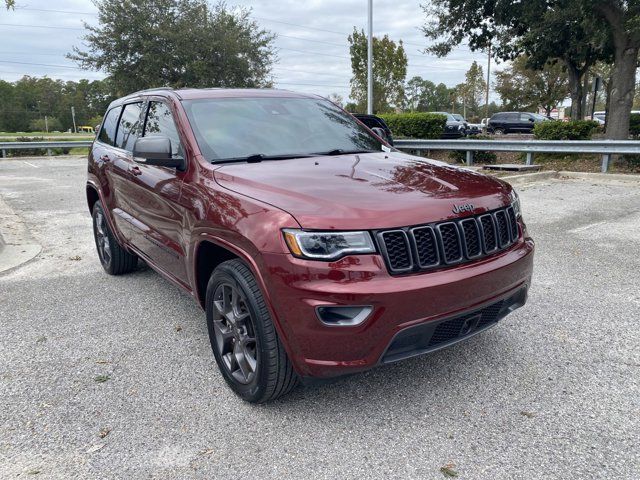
x: 135, y: 170
x: 105, y: 158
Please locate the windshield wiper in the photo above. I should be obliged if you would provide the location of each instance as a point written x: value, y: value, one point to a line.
x: 259, y: 157
x: 340, y: 151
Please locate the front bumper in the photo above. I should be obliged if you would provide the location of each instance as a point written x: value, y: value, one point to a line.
x: 404, y: 307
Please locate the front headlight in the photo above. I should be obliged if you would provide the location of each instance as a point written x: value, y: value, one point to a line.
x: 327, y: 245
x: 515, y: 203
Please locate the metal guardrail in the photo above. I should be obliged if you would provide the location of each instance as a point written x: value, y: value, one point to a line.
x: 606, y: 148
x: 4, y: 146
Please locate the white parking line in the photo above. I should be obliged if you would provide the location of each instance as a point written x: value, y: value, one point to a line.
x: 34, y: 166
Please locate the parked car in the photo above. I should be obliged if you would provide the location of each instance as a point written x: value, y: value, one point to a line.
x: 470, y: 128
x: 373, y: 121
x: 314, y: 248
x: 454, y: 128
x: 514, y: 122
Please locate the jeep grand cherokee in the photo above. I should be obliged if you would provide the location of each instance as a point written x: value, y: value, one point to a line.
x: 314, y: 248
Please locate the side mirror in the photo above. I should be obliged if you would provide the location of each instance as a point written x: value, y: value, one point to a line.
x: 156, y: 151
x: 532, y: 120
x: 381, y: 133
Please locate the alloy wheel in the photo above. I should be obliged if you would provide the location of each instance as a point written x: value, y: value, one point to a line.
x: 102, y: 238
x: 234, y: 333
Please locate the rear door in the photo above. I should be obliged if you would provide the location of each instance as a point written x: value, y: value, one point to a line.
x: 526, y: 123
x: 104, y: 152
x: 124, y: 170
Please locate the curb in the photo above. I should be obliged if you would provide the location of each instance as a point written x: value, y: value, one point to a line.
x: 618, y: 177
x: 525, y: 178
x: 17, y: 246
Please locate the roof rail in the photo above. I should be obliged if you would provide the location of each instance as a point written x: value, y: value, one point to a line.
x: 150, y: 90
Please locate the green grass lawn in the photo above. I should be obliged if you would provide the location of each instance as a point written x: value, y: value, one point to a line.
x: 12, y: 136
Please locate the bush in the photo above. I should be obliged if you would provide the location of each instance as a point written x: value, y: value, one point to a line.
x: 574, y: 130
x: 485, y: 158
x: 31, y: 152
x: 415, y: 125
x: 39, y: 125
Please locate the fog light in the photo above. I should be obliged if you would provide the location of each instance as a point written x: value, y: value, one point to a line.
x: 344, y: 316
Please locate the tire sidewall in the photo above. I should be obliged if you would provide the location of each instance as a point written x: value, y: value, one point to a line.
x: 108, y: 266
x: 254, y: 390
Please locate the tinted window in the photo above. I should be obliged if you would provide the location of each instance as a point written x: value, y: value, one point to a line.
x: 129, y: 126
x: 160, y: 122
x: 108, y: 128
x: 228, y: 128
x: 524, y: 117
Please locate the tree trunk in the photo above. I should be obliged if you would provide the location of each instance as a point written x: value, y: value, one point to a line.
x: 623, y: 83
x: 577, y: 91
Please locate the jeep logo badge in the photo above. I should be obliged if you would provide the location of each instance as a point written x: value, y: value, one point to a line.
x: 467, y: 207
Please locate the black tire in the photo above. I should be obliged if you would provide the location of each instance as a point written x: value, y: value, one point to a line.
x: 499, y: 131
x: 272, y: 375
x: 114, y: 259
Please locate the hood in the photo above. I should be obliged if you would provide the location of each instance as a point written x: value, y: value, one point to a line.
x: 365, y: 191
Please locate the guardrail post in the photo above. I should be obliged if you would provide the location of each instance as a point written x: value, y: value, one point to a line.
x: 4, y: 153
x: 606, y: 159
x: 529, y: 158
x: 48, y: 152
x: 469, y: 157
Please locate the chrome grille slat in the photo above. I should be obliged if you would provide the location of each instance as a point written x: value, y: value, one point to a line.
x: 443, y: 244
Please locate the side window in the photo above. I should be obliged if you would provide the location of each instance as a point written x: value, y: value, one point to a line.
x: 160, y: 122
x: 129, y: 126
x: 108, y: 128
x: 524, y: 117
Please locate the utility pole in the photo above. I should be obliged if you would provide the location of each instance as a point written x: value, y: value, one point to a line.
x: 486, y: 98
x: 73, y: 116
x: 370, y: 61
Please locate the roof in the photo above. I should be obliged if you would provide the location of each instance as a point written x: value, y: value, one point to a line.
x: 203, y: 93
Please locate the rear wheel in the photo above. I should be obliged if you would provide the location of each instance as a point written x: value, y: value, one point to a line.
x: 243, y: 338
x: 114, y: 259
x: 499, y: 131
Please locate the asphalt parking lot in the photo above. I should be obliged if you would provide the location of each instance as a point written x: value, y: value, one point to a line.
x: 104, y: 377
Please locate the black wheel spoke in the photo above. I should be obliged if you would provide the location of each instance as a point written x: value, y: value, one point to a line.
x: 234, y: 335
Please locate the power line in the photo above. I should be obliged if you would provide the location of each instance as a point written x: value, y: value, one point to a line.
x: 38, y: 26
x: 42, y: 65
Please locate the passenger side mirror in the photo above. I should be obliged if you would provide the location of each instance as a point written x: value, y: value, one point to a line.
x: 381, y: 133
x: 532, y: 119
x: 156, y: 151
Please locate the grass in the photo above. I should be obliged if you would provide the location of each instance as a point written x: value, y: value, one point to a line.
x: 12, y: 136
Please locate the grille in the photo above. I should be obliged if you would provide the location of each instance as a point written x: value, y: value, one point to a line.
x: 451, y: 245
x: 426, y: 246
x: 396, y: 248
x: 447, y: 243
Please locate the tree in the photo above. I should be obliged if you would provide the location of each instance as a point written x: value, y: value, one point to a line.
x: 176, y: 43
x: 336, y: 98
x: 543, y: 29
x: 623, y: 20
x: 471, y: 92
x: 523, y: 88
x: 51, y: 124
x: 424, y: 96
x: 389, y: 71
x: 11, y: 4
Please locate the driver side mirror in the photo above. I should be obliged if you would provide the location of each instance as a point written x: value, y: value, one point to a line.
x: 156, y: 151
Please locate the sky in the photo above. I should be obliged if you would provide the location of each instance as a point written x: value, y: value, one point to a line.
x: 312, y: 43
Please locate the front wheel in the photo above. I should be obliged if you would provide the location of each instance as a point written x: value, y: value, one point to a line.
x: 243, y: 338
x: 499, y: 131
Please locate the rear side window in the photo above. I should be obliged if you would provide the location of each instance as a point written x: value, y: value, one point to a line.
x: 160, y: 122
x: 108, y: 129
x: 129, y: 126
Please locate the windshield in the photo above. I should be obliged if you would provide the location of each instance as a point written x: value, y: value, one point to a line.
x: 458, y: 117
x: 236, y: 128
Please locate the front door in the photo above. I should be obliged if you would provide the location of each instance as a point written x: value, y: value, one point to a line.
x: 158, y: 214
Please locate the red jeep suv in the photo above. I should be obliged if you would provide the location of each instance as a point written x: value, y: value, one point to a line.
x: 315, y: 249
